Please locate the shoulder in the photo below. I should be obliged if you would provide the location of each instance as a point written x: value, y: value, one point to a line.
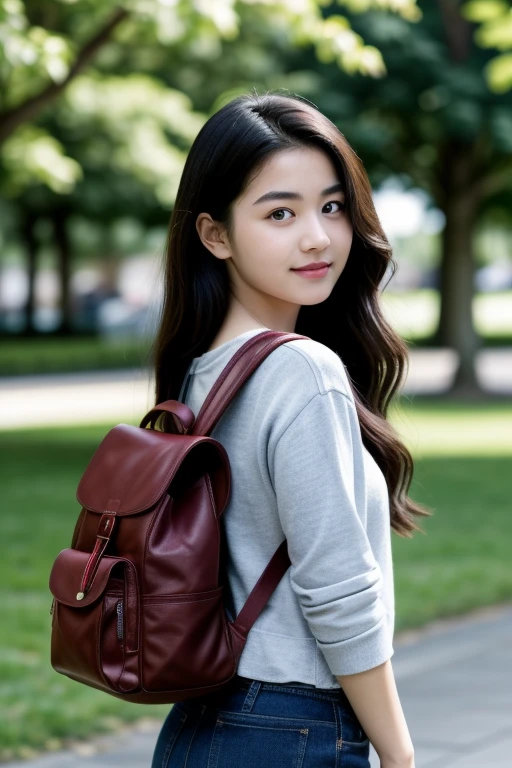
x: 309, y: 366
x: 300, y: 378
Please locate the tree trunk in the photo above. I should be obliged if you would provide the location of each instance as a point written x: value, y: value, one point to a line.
x: 31, y: 248
x: 460, y: 200
x: 456, y: 328
x: 63, y: 246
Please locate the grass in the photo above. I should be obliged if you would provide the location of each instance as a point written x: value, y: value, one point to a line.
x: 462, y: 472
x: 461, y: 562
x: 54, y: 354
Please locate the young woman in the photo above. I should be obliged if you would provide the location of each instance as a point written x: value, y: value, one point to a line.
x: 274, y: 227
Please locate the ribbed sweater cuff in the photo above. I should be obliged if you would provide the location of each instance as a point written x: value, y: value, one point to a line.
x: 360, y: 653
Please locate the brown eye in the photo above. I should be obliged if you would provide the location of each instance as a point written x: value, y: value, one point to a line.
x: 341, y: 206
x: 278, y: 214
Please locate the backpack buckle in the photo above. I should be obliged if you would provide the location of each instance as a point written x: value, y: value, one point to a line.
x: 106, y: 526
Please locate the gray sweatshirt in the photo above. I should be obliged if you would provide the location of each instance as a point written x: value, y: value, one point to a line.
x: 299, y: 470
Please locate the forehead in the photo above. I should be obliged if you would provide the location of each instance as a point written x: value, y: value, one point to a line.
x: 302, y: 169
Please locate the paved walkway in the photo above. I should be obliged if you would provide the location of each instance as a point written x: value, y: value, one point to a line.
x: 81, y: 398
x: 455, y: 684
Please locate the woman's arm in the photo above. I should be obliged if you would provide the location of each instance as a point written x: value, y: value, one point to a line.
x: 374, y: 698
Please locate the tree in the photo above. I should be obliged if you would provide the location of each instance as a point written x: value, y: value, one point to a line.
x: 63, y: 49
x: 122, y: 144
x: 434, y: 122
x: 41, y: 40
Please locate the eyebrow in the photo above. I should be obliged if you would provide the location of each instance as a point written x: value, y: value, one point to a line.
x: 281, y: 195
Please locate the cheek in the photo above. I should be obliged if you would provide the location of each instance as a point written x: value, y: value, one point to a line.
x: 265, y: 243
x: 251, y: 233
x: 256, y: 253
x: 279, y: 242
x: 342, y: 233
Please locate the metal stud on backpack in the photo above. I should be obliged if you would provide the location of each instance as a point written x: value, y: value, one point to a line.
x: 137, y: 606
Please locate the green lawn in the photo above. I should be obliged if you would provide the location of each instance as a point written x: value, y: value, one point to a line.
x: 463, y: 465
x: 48, y: 354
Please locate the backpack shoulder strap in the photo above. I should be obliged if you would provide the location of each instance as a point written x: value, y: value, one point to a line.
x: 260, y: 593
x: 240, y: 367
x: 243, y: 363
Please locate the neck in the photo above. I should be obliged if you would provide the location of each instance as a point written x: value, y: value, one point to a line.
x: 242, y: 318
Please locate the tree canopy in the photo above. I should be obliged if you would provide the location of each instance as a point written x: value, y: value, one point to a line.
x: 99, y: 103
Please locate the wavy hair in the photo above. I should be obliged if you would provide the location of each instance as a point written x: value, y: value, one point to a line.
x: 227, y: 153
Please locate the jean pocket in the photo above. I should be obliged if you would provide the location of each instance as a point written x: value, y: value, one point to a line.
x: 256, y: 740
x: 352, y: 732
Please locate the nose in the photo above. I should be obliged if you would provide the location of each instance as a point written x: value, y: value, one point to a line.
x: 314, y: 237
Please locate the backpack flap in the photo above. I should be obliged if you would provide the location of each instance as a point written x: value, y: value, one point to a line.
x: 65, y: 579
x: 133, y: 467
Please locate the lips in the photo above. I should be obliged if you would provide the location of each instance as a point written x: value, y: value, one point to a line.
x: 309, y: 267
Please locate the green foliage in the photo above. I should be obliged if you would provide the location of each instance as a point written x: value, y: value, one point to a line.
x: 33, y: 50
x: 494, y: 31
x: 484, y: 10
x: 30, y: 51
x: 141, y: 127
x: 499, y: 73
x: 407, y: 9
x: 432, y: 98
x: 335, y: 41
x: 134, y: 127
x: 32, y: 155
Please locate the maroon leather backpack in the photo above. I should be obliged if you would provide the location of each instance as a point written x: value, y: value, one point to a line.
x: 137, y: 606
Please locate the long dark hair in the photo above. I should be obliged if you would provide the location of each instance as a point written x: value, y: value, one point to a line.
x: 228, y: 151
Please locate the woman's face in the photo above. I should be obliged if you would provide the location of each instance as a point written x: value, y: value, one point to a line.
x: 290, y: 215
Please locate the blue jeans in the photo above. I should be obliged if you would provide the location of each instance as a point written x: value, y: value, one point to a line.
x: 255, y: 724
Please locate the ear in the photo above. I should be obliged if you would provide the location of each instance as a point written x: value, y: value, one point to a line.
x: 213, y: 236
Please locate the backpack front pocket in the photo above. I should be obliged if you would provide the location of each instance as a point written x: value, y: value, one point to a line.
x: 176, y: 628
x: 95, y: 635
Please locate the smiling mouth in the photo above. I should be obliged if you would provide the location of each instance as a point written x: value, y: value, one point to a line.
x: 316, y: 268
x: 311, y: 268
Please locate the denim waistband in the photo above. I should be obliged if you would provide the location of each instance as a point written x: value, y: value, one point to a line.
x: 239, y: 686
x: 244, y: 683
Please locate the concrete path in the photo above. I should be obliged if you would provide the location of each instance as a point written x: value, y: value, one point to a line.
x: 454, y: 680
x: 455, y: 685
x: 81, y: 398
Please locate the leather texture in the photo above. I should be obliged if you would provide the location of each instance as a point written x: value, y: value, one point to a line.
x: 137, y: 606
